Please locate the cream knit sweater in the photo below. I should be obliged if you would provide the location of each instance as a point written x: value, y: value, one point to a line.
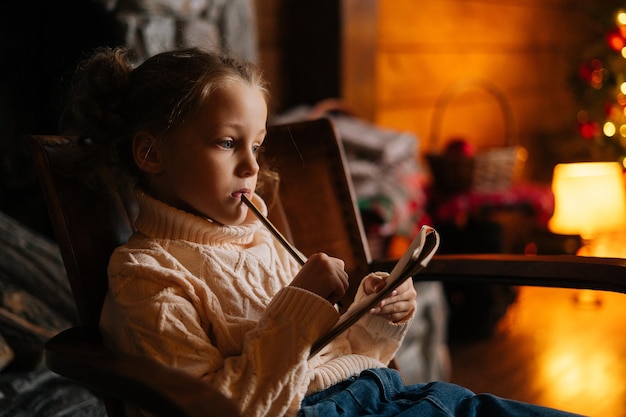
x: 215, y: 301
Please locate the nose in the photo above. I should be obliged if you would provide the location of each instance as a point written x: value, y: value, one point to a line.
x: 249, y: 165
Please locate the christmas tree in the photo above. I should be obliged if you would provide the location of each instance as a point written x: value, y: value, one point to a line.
x: 601, y: 84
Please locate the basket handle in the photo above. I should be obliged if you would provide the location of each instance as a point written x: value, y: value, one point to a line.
x: 455, y: 89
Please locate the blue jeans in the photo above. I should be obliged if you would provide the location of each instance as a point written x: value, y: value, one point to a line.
x: 380, y: 392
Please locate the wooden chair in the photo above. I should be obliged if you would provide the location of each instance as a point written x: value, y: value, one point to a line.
x: 91, y: 216
x: 316, y: 210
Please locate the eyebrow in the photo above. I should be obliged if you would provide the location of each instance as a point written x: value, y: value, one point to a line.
x: 237, y: 125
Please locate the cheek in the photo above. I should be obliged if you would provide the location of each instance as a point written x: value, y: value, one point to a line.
x: 197, y: 165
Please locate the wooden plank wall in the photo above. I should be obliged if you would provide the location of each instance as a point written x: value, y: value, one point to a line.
x: 525, y: 49
x: 399, y: 56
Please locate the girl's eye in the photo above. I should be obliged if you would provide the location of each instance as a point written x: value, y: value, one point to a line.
x: 227, y: 143
x: 258, y: 147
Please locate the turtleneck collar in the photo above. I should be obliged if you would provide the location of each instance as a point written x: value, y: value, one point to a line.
x: 161, y: 221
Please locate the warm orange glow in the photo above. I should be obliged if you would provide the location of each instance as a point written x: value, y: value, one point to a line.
x: 575, y: 368
x: 590, y: 198
x: 578, y: 369
x: 577, y: 360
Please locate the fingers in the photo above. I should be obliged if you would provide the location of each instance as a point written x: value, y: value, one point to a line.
x: 399, y: 304
x: 324, y: 276
x: 340, y: 291
x: 339, y: 262
x: 373, y: 284
x: 393, y: 310
x: 339, y: 272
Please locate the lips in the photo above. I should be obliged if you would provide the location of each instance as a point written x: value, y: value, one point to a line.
x: 237, y: 194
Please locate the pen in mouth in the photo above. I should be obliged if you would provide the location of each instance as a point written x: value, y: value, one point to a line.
x: 273, y: 229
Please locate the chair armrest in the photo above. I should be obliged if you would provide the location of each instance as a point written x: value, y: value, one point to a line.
x: 562, y: 271
x: 77, y: 353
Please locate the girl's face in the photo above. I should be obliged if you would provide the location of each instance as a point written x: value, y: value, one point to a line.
x: 207, y: 165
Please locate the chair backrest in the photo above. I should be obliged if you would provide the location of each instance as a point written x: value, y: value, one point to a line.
x: 317, y: 195
x: 91, y: 215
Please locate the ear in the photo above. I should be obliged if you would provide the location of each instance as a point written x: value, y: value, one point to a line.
x: 146, y: 153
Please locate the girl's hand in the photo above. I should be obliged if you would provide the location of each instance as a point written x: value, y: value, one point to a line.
x: 323, y: 275
x: 398, y: 305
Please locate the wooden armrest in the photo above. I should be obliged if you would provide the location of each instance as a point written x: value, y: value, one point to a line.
x: 78, y: 353
x: 563, y: 271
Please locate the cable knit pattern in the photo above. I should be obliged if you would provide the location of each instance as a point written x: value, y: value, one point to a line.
x: 214, y: 301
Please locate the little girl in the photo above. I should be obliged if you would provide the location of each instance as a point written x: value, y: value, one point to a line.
x: 202, y: 285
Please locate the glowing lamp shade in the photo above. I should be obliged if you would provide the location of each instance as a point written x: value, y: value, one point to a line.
x: 589, y: 198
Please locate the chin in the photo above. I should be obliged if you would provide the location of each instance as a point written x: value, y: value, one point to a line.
x: 235, y: 220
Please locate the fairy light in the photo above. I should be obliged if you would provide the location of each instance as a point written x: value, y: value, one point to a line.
x: 620, y: 18
x: 609, y: 129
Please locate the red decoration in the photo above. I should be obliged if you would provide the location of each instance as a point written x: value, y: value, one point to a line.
x: 615, y: 40
x: 589, y: 130
x: 593, y: 73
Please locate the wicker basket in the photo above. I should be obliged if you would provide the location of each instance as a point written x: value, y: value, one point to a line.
x: 489, y: 170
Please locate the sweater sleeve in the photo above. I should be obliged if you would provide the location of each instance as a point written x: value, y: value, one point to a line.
x: 150, y: 311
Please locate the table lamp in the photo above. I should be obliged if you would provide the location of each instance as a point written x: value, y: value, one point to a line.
x: 589, y: 199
